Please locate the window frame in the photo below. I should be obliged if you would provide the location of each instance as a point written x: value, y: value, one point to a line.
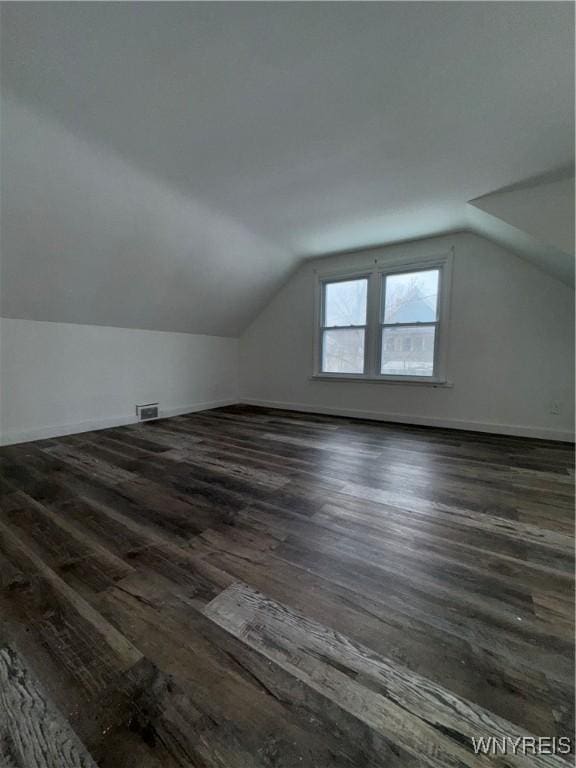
x: 323, y: 328
x: 376, y: 275
x: 435, y: 324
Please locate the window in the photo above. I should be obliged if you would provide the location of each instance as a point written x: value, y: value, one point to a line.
x: 344, y: 326
x: 387, y: 323
x: 410, y: 313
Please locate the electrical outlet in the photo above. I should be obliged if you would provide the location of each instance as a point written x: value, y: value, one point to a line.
x: 555, y: 407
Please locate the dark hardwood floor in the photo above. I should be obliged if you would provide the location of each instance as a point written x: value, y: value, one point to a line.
x: 246, y: 587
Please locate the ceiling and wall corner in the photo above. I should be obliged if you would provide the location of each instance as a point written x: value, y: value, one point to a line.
x: 534, y: 219
x: 167, y: 165
x: 544, y: 208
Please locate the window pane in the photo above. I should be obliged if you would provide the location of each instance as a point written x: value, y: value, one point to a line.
x: 343, y: 351
x: 345, y: 303
x: 408, y: 351
x: 411, y: 297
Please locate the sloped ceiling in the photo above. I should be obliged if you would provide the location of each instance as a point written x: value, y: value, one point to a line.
x: 89, y: 238
x: 535, y: 219
x: 165, y: 165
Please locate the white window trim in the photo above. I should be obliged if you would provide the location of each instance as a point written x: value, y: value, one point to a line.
x: 376, y: 273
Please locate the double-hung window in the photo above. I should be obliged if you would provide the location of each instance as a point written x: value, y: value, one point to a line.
x: 388, y: 323
x: 343, y: 330
x: 409, y: 326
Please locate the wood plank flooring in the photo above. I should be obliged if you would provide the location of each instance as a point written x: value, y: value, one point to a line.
x: 247, y: 587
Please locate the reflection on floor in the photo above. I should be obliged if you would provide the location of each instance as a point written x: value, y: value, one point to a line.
x: 247, y: 587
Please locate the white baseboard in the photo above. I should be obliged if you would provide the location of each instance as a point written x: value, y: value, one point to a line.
x: 59, y: 430
x: 206, y: 406
x: 541, y: 433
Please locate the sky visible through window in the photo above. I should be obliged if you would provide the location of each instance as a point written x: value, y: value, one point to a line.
x: 411, y: 297
x: 345, y: 303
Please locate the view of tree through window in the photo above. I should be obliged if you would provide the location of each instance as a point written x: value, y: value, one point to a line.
x: 410, y: 319
x: 391, y: 329
x: 344, y: 326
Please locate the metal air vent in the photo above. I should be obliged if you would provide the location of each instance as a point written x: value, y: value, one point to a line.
x: 147, y: 412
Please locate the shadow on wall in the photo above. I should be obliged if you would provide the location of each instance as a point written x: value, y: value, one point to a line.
x: 88, y: 238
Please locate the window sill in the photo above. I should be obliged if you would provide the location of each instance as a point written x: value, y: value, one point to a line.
x: 440, y: 383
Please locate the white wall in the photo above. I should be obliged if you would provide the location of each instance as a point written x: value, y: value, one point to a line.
x: 543, y: 210
x: 511, y: 348
x: 535, y: 220
x: 60, y: 378
x: 511, y: 354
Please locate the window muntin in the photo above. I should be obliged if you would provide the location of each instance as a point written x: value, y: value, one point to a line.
x: 409, y: 328
x: 343, y: 327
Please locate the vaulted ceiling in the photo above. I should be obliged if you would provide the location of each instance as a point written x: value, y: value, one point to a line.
x: 165, y: 165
